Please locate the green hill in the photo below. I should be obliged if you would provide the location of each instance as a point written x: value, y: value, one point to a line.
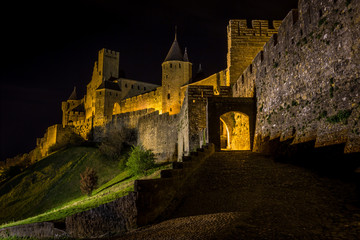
x: 52, y: 182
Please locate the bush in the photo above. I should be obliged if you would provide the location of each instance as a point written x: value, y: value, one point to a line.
x: 140, y: 160
x: 88, y: 181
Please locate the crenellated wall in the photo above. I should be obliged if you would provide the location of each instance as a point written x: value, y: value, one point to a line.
x: 151, y: 99
x: 244, y: 42
x: 307, y: 78
x: 129, y: 120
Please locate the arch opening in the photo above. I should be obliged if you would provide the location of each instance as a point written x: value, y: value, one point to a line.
x: 234, y: 131
x: 116, y: 108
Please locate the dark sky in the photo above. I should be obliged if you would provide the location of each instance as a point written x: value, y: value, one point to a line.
x: 48, y: 47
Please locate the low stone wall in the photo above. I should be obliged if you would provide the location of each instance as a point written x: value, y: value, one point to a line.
x: 37, y: 230
x: 151, y: 200
x: 158, y: 197
x: 106, y: 220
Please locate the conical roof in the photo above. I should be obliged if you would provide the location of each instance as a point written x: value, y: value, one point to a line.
x: 174, y: 53
x: 73, y: 95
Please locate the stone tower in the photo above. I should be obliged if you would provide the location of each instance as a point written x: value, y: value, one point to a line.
x: 176, y: 72
x: 105, y: 68
x: 244, y: 42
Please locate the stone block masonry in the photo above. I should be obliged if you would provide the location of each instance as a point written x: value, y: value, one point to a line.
x: 307, y: 77
x: 245, y: 42
x: 159, y: 133
x: 36, y: 230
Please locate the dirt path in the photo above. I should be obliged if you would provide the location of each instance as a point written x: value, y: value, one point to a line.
x: 243, y: 195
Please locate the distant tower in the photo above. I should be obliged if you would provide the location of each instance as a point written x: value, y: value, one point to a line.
x: 73, y: 109
x: 176, y: 72
x: 107, y: 67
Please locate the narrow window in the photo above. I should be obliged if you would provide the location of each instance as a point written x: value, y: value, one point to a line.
x: 144, y: 88
x: 110, y: 93
x: 126, y: 85
x: 170, y: 65
x: 138, y: 87
x: 132, y: 86
x: 242, y: 79
x: 168, y: 95
x: 179, y: 65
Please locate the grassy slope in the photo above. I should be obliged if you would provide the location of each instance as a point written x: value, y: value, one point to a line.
x: 50, y: 189
x: 51, y: 182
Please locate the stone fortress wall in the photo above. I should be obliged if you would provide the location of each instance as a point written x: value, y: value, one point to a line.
x: 307, y: 77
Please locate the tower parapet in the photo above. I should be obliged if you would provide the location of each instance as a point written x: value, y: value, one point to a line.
x: 244, y: 42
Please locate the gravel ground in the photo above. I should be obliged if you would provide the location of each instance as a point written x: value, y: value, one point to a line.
x: 243, y: 195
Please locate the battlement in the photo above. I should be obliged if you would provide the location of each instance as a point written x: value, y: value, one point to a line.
x: 242, y: 27
x: 109, y: 53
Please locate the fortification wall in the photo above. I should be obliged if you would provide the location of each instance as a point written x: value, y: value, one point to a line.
x: 151, y: 99
x: 83, y: 128
x: 159, y: 132
x: 129, y: 120
x: 307, y: 77
x: 54, y: 134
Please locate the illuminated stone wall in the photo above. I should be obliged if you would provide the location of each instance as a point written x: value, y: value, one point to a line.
x: 239, y: 132
x: 216, y: 80
x: 307, y: 77
x: 159, y: 132
x: 244, y: 42
x: 129, y: 120
x: 53, y: 135
x: 151, y: 99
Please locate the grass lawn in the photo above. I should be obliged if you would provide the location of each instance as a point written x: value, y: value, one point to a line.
x: 50, y: 189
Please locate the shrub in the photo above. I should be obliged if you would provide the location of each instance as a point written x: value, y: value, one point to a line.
x: 88, y: 181
x: 140, y: 160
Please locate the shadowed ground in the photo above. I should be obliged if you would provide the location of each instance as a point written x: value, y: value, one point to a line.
x: 243, y: 195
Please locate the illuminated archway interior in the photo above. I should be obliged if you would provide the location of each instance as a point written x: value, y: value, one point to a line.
x: 234, y: 131
x: 116, y: 108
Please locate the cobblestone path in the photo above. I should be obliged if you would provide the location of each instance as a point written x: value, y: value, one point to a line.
x: 243, y: 195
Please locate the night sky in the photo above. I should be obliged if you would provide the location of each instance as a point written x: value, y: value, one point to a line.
x: 48, y: 47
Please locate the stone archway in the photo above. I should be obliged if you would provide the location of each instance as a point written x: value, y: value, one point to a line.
x: 234, y: 131
x: 116, y: 108
x: 218, y: 106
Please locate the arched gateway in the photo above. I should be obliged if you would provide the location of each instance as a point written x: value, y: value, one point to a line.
x: 216, y: 111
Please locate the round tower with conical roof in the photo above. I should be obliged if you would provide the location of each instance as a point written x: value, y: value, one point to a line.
x: 176, y: 72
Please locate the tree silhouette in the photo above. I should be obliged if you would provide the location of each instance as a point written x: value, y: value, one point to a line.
x: 88, y: 181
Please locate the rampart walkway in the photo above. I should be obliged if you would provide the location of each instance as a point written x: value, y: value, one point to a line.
x: 242, y: 195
